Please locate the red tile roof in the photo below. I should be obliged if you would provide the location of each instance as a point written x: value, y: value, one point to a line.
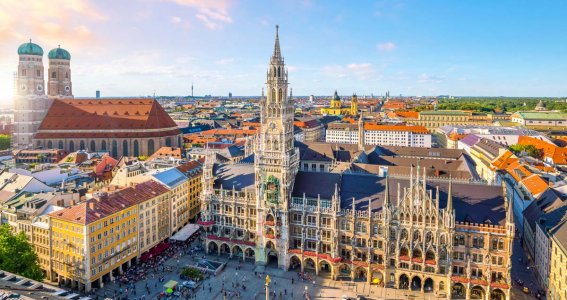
x: 557, y: 154
x: 191, y: 168
x: 174, y: 152
x: 106, y: 114
x: 95, y: 209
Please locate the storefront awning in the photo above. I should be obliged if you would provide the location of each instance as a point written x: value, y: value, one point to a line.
x: 185, y: 233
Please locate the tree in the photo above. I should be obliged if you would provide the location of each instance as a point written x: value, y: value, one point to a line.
x: 4, y: 141
x: 17, y: 254
x: 530, y: 150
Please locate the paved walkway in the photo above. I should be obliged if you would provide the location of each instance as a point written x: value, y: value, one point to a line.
x: 520, y: 270
x: 253, y: 278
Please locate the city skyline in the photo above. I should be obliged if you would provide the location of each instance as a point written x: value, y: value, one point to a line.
x: 406, y: 47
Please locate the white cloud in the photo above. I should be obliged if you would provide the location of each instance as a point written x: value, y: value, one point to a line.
x: 362, y: 71
x: 49, y: 22
x: 429, y: 78
x: 213, y: 14
x: 225, y: 61
x: 387, y: 46
x: 175, y: 20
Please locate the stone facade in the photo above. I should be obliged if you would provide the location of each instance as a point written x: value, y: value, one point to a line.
x: 336, y: 225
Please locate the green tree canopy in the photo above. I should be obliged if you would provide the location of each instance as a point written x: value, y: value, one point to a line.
x: 530, y: 150
x: 4, y: 141
x: 17, y: 255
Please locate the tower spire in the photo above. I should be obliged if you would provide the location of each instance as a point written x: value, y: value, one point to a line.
x: 450, y: 196
x: 387, y: 193
x: 277, y: 52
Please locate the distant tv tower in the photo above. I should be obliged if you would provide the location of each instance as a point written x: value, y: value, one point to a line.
x: 191, y: 89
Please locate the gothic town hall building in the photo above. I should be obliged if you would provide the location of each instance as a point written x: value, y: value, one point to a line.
x: 425, y: 234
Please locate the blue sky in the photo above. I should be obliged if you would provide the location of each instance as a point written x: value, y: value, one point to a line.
x: 136, y: 47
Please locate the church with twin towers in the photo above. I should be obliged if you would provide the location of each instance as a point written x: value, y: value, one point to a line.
x: 450, y: 238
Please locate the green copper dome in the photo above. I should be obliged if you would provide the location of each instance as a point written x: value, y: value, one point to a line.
x: 59, y: 53
x: 30, y: 49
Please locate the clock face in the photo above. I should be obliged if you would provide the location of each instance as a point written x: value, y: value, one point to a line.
x: 40, y: 88
x: 67, y: 88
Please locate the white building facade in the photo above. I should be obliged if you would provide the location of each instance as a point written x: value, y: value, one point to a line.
x: 384, y: 135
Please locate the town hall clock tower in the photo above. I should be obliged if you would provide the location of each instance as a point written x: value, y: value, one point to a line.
x: 276, y: 164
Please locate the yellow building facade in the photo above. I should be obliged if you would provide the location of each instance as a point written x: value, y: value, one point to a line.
x: 434, y: 119
x: 93, y: 241
x: 558, y: 266
x: 336, y: 108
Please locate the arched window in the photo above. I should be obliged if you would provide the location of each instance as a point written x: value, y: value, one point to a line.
x: 136, y: 149
x: 60, y: 146
x: 280, y: 95
x: 71, y: 146
x: 404, y: 234
x: 151, y: 147
x: 279, y: 71
x: 93, y: 146
x: 275, y: 72
x: 274, y: 95
x: 103, y: 146
x: 168, y: 142
x: 125, y: 148
x: 66, y: 75
x: 114, y: 150
x: 82, y: 145
x: 49, y: 145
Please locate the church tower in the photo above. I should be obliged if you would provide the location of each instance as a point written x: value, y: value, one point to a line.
x: 354, y: 105
x: 276, y: 162
x: 30, y: 101
x: 59, y: 74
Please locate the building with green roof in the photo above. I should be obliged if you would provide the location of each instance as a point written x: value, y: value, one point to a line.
x: 541, y: 119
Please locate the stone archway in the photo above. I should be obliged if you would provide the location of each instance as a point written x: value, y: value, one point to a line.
x: 237, y: 252
x: 308, y: 264
x: 428, y: 285
x: 344, y: 271
x: 249, y: 253
x: 224, y: 249
x: 377, y: 277
x: 360, y: 274
x: 325, y: 268
x: 403, y: 282
x: 272, y: 258
x: 213, y: 248
x: 458, y: 291
x: 295, y: 263
x: 477, y: 292
x: 497, y: 294
x: 416, y: 283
